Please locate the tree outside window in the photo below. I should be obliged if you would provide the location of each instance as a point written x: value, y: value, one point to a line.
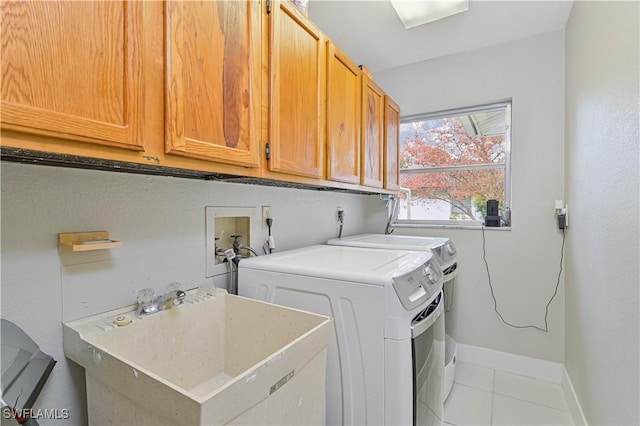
x: 452, y: 164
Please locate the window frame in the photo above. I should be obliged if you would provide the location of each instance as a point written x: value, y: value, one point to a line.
x: 505, y: 105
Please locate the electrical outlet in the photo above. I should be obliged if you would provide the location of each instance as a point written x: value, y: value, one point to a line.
x: 266, y: 214
x: 562, y: 213
x: 340, y: 215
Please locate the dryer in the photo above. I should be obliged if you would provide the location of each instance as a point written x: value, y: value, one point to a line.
x: 386, y: 356
x: 447, y: 255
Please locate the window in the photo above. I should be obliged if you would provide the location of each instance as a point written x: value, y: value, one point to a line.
x: 452, y: 162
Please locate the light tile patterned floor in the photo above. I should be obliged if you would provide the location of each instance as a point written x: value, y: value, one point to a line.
x: 484, y: 396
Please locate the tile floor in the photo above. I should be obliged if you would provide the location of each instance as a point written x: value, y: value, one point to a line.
x: 484, y: 396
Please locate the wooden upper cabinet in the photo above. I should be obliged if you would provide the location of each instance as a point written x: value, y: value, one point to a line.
x: 392, y: 141
x: 297, y: 81
x: 213, y: 65
x: 372, y: 133
x: 74, y: 70
x: 344, y: 94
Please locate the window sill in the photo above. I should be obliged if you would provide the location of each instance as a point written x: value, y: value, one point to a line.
x: 476, y: 227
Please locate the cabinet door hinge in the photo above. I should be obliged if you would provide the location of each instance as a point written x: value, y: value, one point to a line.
x: 267, y: 150
x: 268, y: 7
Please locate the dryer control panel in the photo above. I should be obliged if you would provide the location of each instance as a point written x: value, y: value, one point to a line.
x: 417, y: 286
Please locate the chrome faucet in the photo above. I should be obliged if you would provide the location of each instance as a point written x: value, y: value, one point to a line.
x: 149, y: 303
x: 238, y: 248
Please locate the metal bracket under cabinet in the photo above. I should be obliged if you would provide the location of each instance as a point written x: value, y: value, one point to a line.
x: 19, y: 155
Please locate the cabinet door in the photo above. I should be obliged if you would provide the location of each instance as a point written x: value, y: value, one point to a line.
x: 344, y: 98
x: 392, y: 142
x: 372, y: 133
x: 74, y: 70
x: 297, y: 67
x: 213, y: 80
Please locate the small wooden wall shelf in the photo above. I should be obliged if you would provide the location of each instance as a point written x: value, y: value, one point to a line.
x: 86, y: 241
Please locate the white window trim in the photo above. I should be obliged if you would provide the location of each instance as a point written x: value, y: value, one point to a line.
x: 447, y: 224
x: 460, y: 224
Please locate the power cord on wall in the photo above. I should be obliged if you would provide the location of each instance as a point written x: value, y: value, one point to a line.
x: 340, y: 222
x: 495, y: 301
x: 270, y: 244
x: 393, y: 201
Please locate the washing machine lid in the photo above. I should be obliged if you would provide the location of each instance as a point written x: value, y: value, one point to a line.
x: 442, y: 248
x: 356, y: 264
x: 403, y: 242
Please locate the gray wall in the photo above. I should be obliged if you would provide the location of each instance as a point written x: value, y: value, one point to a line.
x: 161, y: 221
x: 602, y: 175
x: 524, y: 261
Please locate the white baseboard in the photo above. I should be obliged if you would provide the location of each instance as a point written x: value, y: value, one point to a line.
x: 572, y: 400
x: 512, y: 363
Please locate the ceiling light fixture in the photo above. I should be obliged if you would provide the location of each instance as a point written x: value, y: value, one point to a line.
x: 413, y: 13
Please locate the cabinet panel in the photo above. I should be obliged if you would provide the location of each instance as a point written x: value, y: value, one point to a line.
x: 392, y: 141
x: 372, y: 134
x: 213, y: 61
x: 74, y: 70
x: 297, y: 80
x: 344, y: 91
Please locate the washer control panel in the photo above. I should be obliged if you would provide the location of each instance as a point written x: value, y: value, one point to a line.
x: 446, y: 253
x: 418, y: 285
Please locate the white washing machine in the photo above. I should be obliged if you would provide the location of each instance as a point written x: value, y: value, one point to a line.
x: 447, y: 255
x: 385, y: 359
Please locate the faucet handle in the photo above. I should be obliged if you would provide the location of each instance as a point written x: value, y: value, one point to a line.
x: 146, y: 296
x: 175, y: 293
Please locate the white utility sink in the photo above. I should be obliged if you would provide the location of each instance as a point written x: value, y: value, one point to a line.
x: 215, y: 359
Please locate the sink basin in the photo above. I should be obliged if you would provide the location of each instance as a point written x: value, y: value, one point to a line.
x: 215, y: 359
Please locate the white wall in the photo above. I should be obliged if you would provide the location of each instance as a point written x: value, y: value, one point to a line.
x: 524, y: 262
x: 602, y: 185
x: 162, y: 223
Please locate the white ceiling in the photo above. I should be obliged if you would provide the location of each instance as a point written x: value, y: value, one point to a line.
x: 371, y: 33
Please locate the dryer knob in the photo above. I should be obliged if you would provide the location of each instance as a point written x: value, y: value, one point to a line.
x: 429, y: 275
x: 451, y: 250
